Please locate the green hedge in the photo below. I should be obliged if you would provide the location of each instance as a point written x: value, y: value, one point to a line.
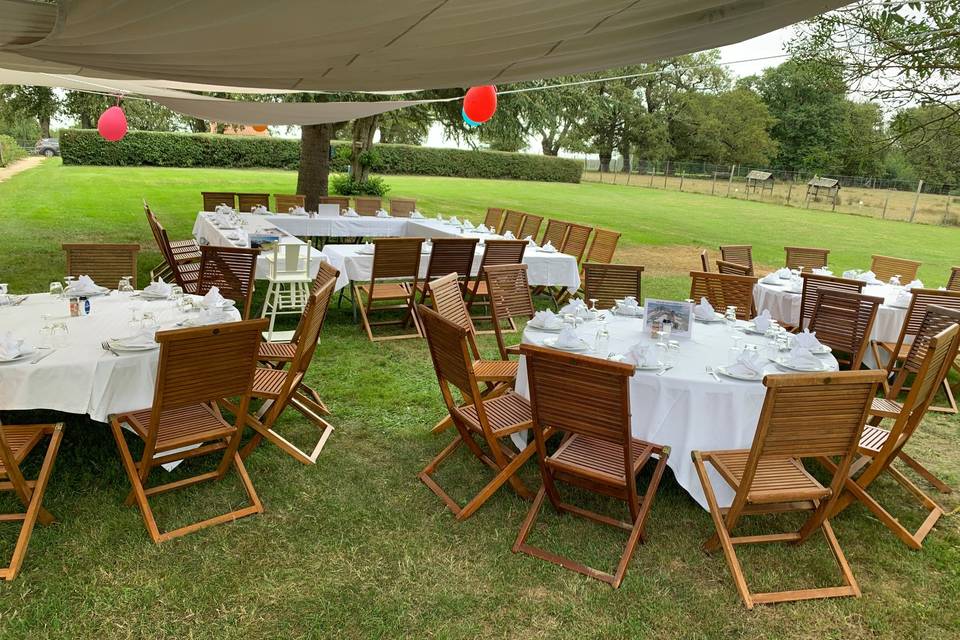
x: 10, y: 151
x: 152, y: 148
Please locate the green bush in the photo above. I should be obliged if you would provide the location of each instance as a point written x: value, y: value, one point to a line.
x: 153, y: 148
x: 10, y: 151
x: 342, y: 184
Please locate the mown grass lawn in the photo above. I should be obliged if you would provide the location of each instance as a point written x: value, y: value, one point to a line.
x: 356, y: 547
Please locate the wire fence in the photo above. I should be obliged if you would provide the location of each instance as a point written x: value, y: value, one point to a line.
x: 911, y: 201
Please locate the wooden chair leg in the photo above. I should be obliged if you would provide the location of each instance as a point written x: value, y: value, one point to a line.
x: 925, y: 473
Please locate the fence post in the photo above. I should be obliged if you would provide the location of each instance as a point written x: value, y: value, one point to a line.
x: 653, y: 174
x: 666, y: 174
x: 681, y: 180
x: 628, y: 177
x: 730, y: 181
x: 946, y: 214
x: 916, y: 200
x: 713, y: 185
x: 789, y: 191
x: 886, y: 201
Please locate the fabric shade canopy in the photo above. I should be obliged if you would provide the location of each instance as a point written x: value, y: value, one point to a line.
x: 371, y: 45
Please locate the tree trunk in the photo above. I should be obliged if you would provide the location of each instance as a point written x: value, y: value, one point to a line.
x: 44, y: 122
x: 314, y: 163
x: 625, y: 153
x: 363, y: 130
x: 605, y: 155
x: 550, y: 148
x: 87, y: 121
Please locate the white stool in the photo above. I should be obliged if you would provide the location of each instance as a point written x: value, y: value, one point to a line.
x: 289, y: 289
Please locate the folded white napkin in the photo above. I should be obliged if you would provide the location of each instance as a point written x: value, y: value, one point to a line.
x: 869, y: 277
x: 546, y: 319
x: 351, y: 213
x: 507, y: 235
x: 260, y: 209
x: 807, y: 340
x: 914, y: 284
x: 762, y: 321
x: 440, y: 217
x: 770, y: 278
x: 142, y: 338
x: 467, y: 224
x: 223, y: 209
x: 642, y: 354
x: 548, y: 247
x: 213, y: 298
x: 796, y: 285
x: 903, y: 299
x: 382, y: 213
x: 850, y: 274
x: 822, y: 271
x: 84, y: 284
x: 159, y: 288
x: 783, y: 273
x: 454, y: 220
x: 749, y: 364
x: 11, y: 347
x: 630, y: 302
x: 483, y: 228
x: 801, y: 358
x: 530, y: 241
x: 297, y: 211
x: 416, y: 215
x: 704, y: 310
x: 575, y: 307
x: 569, y: 339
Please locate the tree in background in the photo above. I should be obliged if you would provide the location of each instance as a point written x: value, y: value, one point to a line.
x: 406, y: 126
x: 931, y: 150
x: 724, y: 128
x: 40, y: 103
x: 144, y: 115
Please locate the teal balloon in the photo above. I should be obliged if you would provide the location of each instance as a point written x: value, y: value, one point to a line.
x: 468, y: 121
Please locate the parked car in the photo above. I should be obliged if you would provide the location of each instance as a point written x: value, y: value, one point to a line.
x: 47, y: 147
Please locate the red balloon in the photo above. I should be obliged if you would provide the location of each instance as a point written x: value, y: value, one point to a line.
x: 480, y: 103
x: 112, y: 124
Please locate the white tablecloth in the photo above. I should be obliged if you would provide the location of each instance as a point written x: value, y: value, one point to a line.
x: 80, y: 377
x: 685, y: 409
x: 340, y: 226
x: 547, y: 269
x: 207, y: 233
x: 784, y: 306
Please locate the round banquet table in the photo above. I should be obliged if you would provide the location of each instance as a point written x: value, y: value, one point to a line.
x: 685, y: 408
x: 784, y: 306
x: 79, y: 376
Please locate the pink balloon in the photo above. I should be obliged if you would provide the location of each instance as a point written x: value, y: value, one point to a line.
x: 112, y: 124
x: 480, y: 102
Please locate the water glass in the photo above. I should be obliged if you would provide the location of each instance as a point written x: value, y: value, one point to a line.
x: 895, y: 281
x: 56, y: 289
x: 602, y: 342
x: 150, y: 321
x: 665, y: 330
x: 731, y: 318
x: 58, y: 334
x: 673, y: 353
x: 125, y: 287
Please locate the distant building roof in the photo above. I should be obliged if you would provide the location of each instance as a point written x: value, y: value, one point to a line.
x: 823, y: 182
x: 759, y: 175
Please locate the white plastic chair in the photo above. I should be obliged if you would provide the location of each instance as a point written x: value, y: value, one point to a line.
x: 289, y: 288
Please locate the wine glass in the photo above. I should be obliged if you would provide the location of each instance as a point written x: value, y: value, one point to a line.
x: 125, y: 287
x: 731, y: 318
x: 593, y: 305
x: 602, y: 341
x: 56, y: 289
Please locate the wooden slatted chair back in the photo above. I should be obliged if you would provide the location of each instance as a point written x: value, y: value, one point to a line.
x: 723, y: 290
x: 733, y: 269
x: 105, y: 263
x: 921, y: 299
x: 342, y: 201
x: 813, y: 284
x: 247, y: 201
x: 213, y: 199
x: 452, y: 361
x: 367, y: 206
x: 935, y: 320
x: 158, y: 235
x: 938, y: 357
x: 806, y: 257
x: 232, y: 271
x: 531, y: 226
x: 311, y: 325
x: 452, y: 255
x: 493, y: 218
x: 446, y: 295
x: 603, y: 247
x: 285, y: 202
x: 512, y: 222
x: 886, y: 267
x: 326, y: 272
x: 501, y: 252
x: 396, y: 258
x: 509, y: 293
x: 953, y: 284
x: 843, y: 321
x: 608, y: 283
x: 704, y: 261
x: 738, y: 254
x: 575, y: 244
x: 402, y: 207
x: 556, y: 233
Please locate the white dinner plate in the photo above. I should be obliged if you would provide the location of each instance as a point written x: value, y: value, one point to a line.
x: 717, y: 318
x: 539, y: 327
x: 652, y: 367
x: 627, y: 314
x: 542, y: 250
x: 23, y: 354
x: 724, y: 371
x: 751, y: 329
x: 822, y: 350
x: 153, y: 296
x: 92, y: 294
x: 119, y: 346
x: 784, y: 362
x: 552, y: 343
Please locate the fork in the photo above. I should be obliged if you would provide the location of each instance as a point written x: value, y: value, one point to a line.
x: 106, y: 347
x: 711, y: 371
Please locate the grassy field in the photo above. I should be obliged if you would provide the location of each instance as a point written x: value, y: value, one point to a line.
x: 357, y: 547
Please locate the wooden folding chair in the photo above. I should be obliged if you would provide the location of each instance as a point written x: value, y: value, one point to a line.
x: 198, y: 369
x: 494, y: 252
x: 607, y: 283
x: 282, y: 388
x: 953, y: 284
x: 491, y: 420
x: 398, y: 261
x: 493, y: 218
x: 803, y: 416
x: 806, y: 258
x: 105, y: 263
x: 603, y: 247
x: 512, y: 222
x: 213, y: 199
x: 575, y: 242
x: 885, y: 267
x: 285, y: 202
x: 531, y: 226
x: 738, y: 254
x: 704, y: 261
x: 555, y: 233
x: 368, y: 206
x: 509, y: 295
x: 232, y: 270
x: 402, y: 207
x: 588, y: 401
x: 844, y: 321
x: 342, y: 201
x: 180, y: 255
x: 880, y: 447
x: 723, y: 290
x: 733, y: 269
x: 247, y: 201
x: 449, y: 255
x: 813, y: 284
x: 16, y: 443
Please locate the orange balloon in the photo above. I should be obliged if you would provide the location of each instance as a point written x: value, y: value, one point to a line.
x: 259, y: 128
